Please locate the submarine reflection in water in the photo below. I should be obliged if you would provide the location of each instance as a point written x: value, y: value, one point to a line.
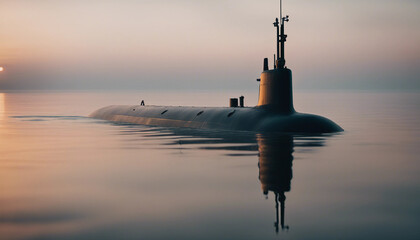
x: 275, y: 155
x: 275, y: 171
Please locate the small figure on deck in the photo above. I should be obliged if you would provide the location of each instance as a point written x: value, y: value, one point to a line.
x: 142, y: 103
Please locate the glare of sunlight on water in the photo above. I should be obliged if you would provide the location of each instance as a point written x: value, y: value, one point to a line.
x: 2, y: 106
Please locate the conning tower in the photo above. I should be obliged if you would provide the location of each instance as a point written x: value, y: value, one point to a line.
x: 276, y: 84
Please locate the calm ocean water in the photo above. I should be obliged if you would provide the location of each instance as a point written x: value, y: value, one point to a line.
x: 65, y: 176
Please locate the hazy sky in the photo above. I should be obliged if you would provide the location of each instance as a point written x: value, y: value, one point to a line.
x: 200, y: 44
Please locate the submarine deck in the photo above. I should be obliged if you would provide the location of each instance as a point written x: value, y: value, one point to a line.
x: 225, y: 118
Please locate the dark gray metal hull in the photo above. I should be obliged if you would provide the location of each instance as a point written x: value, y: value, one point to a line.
x: 257, y: 119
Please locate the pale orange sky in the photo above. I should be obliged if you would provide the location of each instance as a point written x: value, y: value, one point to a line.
x: 46, y: 44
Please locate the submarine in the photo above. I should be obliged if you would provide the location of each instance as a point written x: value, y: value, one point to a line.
x: 273, y: 113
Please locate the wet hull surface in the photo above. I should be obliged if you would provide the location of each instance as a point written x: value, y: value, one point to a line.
x: 240, y: 119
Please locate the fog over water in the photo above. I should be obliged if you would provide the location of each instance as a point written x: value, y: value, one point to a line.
x: 206, y: 44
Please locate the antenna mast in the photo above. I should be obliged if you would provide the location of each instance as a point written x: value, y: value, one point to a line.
x: 281, y: 37
x: 281, y: 9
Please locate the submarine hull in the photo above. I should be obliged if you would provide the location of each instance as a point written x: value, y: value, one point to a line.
x: 257, y: 119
